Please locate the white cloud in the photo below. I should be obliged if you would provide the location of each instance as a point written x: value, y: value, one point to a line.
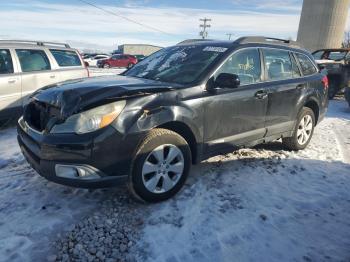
x: 84, y: 24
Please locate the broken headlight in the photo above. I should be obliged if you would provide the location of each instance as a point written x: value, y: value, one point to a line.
x: 90, y: 120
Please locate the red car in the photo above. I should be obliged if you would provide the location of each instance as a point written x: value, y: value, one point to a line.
x: 118, y: 61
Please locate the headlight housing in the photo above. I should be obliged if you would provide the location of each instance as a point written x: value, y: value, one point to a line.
x: 90, y: 120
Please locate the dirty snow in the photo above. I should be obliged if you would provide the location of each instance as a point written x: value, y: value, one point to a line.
x: 261, y: 204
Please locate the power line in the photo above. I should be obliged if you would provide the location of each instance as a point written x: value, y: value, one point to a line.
x: 123, y: 17
x: 204, y: 32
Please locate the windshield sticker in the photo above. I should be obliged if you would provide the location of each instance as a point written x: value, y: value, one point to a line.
x: 215, y: 49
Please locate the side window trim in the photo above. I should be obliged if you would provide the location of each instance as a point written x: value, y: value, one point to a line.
x: 265, y: 80
x: 235, y: 52
x: 312, y: 62
x: 295, y: 60
x: 34, y: 71
x: 288, y: 52
x: 60, y: 67
x: 8, y: 50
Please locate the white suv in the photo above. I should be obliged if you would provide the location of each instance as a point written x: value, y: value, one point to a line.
x: 26, y: 66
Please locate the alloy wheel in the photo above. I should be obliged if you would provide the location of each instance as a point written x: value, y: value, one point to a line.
x: 304, y: 129
x: 163, y: 168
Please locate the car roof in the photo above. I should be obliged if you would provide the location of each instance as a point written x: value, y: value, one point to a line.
x: 34, y: 44
x: 258, y: 41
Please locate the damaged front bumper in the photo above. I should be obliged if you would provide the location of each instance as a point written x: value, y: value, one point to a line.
x: 98, y: 159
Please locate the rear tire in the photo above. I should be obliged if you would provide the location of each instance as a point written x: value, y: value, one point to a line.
x: 160, y: 166
x: 106, y: 66
x: 303, y: 131
x: 332, y: 93
x: 347, y: 94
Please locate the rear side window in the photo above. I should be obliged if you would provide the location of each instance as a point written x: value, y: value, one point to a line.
x: 307, y: 66
x: 33, y: 60
x: 295, y: 68
x: 66, y: 58
x: 6, y: 66
x: 246, y: 64
x: 279, y: 65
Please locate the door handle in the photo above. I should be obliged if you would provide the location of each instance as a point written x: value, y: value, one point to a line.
x: 261, y: 94
x: 12, y: 81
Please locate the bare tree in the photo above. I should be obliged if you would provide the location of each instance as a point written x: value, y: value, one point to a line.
x: 346, y: 42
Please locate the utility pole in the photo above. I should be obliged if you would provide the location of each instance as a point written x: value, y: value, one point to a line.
x: 204, y: 33
x: 229, y: 35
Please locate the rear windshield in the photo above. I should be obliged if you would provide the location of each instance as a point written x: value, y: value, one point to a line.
x: 177, y: 64
x: 330, y: 55
x: 66, y: 58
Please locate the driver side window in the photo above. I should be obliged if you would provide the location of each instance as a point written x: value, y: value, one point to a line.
x: 246, y: 64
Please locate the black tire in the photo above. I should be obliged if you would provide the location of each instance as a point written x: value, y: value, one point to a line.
x: 157, y: 137
x: 130, y: 65
x: 106, y: 66
x: 347, y: 94
x: 292, y: 143
x: 332, y: 92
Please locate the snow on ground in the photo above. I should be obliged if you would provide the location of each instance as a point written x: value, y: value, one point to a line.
x: 261, y: 204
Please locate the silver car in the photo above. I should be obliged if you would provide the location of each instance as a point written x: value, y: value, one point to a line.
x: 26, y: 66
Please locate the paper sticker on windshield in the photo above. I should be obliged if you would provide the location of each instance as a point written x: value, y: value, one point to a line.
x: 215, y: 49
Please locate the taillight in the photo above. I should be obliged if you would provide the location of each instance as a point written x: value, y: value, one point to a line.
x: 325, y: 82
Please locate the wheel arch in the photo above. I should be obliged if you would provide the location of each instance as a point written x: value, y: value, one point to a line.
x: 313, y: 105
x: 185, y: 131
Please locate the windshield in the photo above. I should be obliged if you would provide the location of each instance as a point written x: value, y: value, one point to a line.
x: 177, y: 64
x: 330, y: 55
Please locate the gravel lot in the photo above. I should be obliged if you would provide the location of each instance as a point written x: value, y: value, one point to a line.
x: 262, y: 204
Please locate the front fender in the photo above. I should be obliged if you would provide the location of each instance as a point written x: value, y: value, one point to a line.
x: 138, y: 119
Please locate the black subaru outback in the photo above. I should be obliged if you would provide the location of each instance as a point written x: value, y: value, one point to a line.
x: 177, y: 107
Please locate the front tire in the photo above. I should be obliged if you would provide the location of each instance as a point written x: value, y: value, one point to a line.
x: 106, y: 66
x: 160, y: 166
x: 130, y: 65
x: 303, y: 131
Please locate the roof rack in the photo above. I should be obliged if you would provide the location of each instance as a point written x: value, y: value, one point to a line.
x: 39, y: 43
x: 266, y: 40
x: 189, y: 41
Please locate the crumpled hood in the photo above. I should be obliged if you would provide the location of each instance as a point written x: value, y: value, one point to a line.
x: 75, y: 95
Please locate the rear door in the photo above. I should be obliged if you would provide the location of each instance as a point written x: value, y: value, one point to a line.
x: 36, y: 71
x: 285, y: 87
x: 236, y: 116
x: 116, y: 61
x: 69, y: 64
x: 124, y: 61
x: 10, y: 84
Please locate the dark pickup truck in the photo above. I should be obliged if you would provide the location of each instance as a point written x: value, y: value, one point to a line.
x: 337, y: 64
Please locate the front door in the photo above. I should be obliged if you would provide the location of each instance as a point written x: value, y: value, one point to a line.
x: 36, y: 71
x: 236, y: 116
x: 10, y: 85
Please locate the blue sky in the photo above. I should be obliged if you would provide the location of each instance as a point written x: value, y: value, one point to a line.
x: 86, y: 27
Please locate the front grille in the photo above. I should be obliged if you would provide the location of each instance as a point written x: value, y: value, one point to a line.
x: 38, y: 114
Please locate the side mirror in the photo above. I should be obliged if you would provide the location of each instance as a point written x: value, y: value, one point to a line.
x: 225, y: 80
